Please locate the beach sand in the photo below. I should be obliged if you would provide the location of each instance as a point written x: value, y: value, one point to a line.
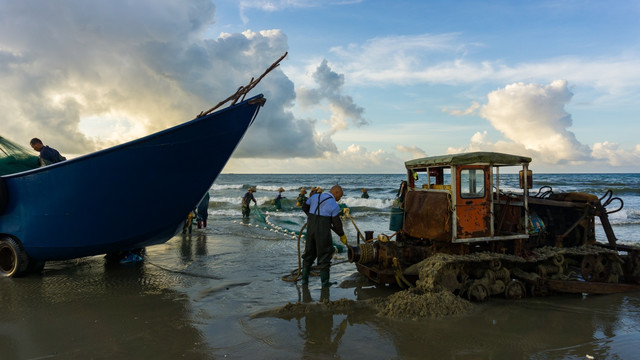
x: 218, y: 293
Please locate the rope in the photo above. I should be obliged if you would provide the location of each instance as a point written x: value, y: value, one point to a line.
x: 289, y: 277
x: 348, y: 214
x: 243, y: 90
x: 293, y: 278
x: 183, y: 272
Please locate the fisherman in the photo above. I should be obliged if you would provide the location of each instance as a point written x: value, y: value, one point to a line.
x: 188, y: 223
x: 322, y: 211
x: 246, y: 201
x: 302, y: 198
x: 48, y: 155
x: 203, y: 211
x: 277, y: 201
x: 365, y: 194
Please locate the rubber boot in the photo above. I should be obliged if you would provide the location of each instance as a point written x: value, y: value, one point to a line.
x: 324, y: 278
x: 199, y: 224
x: 204, y: 223
x: 305, y: 276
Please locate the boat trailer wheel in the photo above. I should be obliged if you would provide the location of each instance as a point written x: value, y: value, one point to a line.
x: 13, y: 260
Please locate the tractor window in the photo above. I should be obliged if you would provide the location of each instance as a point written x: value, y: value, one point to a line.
x: 471, y: 183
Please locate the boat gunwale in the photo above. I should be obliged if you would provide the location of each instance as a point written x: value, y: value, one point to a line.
x: 133, y: 142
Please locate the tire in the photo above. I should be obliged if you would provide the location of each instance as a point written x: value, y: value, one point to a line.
x: 13, y: 258
x: 4, y: 195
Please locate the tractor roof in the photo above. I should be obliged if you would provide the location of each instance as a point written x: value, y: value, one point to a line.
x: 491, y: 158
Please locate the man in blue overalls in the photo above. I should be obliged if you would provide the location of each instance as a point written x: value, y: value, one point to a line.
x: 322, y: 211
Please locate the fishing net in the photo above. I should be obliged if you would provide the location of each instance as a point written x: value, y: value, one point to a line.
x: 287, y: 227
x: 14, y: 158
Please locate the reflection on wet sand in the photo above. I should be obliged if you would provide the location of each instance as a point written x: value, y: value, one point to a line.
x: 319, y: 335
x: 549, y: 328
x: 214, y: 295
x: 99, y: 311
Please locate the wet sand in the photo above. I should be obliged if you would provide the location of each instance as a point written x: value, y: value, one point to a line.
x: 218, y: 293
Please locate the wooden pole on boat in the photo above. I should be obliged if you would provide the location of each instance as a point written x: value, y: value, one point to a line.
x: 243, y: 90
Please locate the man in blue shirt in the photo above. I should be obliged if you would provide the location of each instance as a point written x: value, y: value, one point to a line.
x: 322, y: 211
x: 48, y: 155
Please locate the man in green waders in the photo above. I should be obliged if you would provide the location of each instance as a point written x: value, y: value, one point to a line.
x: 322, y: 211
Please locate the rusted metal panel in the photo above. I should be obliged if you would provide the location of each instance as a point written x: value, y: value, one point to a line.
x: 428, y: 215
x: 473, y: 214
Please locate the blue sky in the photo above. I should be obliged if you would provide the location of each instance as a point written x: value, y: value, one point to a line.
x: 366, y: 85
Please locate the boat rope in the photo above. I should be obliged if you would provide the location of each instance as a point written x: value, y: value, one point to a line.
x: 182, y: 272
x: 348, y: 214
x: 243, y: 90
x: 291, y: 277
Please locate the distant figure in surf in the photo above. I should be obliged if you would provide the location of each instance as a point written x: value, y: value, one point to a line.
x: 365, y: 194
x: 302, y: 198
x: 277, y: 200
x: 246, y: 201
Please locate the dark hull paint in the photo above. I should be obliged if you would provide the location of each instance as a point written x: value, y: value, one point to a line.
x: 129, y: 196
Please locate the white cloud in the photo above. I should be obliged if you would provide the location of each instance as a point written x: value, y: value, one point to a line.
x: 87, y: 75
x: 534, y: 116
x: 413, y: 150
x: 534, y: 122
x: 342, y: 107
x: 472, y: 109
x: 612, y: 154
x: 444, y: 59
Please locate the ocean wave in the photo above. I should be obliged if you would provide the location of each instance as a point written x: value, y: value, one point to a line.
x: 369, y: 203
x: 217, y: 187
x: 274, y: 188
x: 623, y: 217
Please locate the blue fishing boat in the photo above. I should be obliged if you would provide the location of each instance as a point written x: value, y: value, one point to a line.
x: 145, y: 189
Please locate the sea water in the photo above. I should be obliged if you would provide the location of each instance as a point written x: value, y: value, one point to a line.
x: 373, y: 213
x: 197, y: 296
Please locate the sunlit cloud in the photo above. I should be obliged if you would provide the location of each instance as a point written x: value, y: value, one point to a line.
x: 533, y: 120
x: 413, y: 150
x: 84, y: 76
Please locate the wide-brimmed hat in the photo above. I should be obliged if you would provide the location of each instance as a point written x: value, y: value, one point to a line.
x: 303, y: 190
x: 252, y: 189
x: 280, y: 190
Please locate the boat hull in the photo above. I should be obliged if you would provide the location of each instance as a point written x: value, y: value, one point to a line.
x: 129, y: 196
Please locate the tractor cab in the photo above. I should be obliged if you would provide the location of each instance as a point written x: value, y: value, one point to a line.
x: 455, y: 198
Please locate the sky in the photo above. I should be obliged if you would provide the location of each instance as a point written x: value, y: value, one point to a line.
x: 366, y: 85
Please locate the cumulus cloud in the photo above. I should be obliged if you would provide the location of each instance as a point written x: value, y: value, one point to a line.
x: 87, y: 75
x: 413, y: 150
x: 533, y: 120
x: 342, y: 107
x: 612, y: 154
x: 534, y: 116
